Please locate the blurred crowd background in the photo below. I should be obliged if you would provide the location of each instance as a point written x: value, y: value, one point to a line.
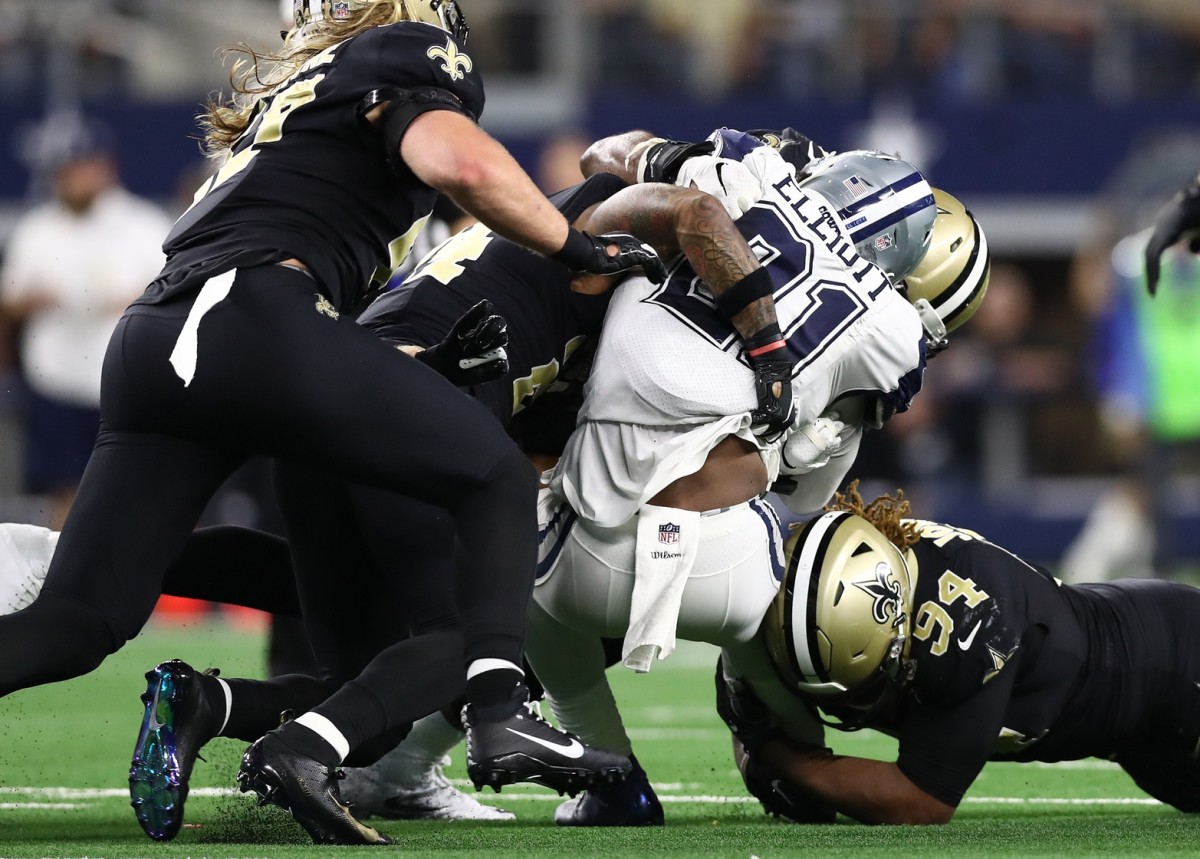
x: 1063, y: 421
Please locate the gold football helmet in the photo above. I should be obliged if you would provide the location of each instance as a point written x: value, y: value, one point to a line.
x: 948, y: 284
x: 838, y: 630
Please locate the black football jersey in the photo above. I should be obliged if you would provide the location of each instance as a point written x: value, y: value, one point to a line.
x: 309, y: 180
x: 1013, y: 665
x: 997, y: 648
x: 548, y: 324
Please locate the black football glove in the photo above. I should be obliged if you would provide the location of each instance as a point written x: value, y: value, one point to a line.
x: 663, y: 158
x: 780, y: 797
x: 773, y: 387
x: 746, y: 716
x: 585, y: 252
x: 474, y: 350
x: 796, y: 148
x: 1181, y: 216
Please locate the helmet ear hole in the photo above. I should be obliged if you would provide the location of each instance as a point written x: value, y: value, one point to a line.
x: 953, y: 275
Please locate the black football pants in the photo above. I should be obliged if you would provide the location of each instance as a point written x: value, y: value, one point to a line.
x: 274, y: 376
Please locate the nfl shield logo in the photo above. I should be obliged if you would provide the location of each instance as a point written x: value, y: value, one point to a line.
x: 341, y: 11
x: 668, y: 533
x: 882, y: 243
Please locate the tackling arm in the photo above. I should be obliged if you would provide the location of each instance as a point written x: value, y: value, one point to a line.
x: 674, y: 220
x: 867, y: 790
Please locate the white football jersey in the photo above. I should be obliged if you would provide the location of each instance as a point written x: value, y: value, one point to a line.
x: 670, y: 378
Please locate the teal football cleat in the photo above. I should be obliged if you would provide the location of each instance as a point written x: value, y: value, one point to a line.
x: 178, y: 721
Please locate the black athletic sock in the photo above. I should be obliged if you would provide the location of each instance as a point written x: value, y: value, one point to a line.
x: 258, y: 704
x: 406, y: 682
x: 305, y: 741
x: 497, y: 694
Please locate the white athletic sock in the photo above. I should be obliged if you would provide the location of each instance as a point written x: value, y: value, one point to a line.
x: 479, y: 666
x: 327, y: 731
x: 426, y: 746
x: 594, y: 717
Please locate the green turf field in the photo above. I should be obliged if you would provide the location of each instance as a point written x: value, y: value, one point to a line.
x: 65, y: 755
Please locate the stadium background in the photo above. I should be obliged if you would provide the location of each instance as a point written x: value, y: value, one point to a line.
x: 1063, y: 124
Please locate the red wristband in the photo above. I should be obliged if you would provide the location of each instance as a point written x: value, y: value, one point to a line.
x: 770, y: 347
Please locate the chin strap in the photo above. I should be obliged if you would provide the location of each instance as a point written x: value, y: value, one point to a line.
x: 935, y: 330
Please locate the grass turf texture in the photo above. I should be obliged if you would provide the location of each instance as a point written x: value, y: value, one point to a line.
x: 79, y: 735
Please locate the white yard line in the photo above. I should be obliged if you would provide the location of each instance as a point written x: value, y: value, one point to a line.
x: 75, y: 793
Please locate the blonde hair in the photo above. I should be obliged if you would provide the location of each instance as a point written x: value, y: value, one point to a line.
x: 257, y: 74
x: 885, y: 513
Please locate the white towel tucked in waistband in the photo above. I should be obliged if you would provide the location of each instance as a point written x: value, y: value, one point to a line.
x: 667, y: 542
x: 183, y: 356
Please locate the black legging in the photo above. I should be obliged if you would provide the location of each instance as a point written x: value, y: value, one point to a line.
x: 277, y: 377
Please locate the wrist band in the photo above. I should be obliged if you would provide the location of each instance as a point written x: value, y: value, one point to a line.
x: 757, y: 284
x: 770, y: 347
x: 576, y: 250
x: 769, y: 339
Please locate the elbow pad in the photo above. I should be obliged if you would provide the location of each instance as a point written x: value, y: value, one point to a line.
x: 403, y: 106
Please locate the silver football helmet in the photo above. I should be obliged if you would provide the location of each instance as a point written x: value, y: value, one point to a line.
x: 839, y: 627
x: 949, y: 283
x: 885, y: 203
x: 445, y: 14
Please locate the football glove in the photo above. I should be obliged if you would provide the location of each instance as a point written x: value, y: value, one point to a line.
x: 661, y: 159
x: 811, y: 445
x: 1180, y: 218
x: 585, y: 252
x: 746, y: 716
x: 796, y: 148
x: 780, y: 797
x: 474, y: 351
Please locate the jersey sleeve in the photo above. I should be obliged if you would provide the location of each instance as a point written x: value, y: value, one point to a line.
x: 420, y: 55
x: 943, y: 749
x: 738, y: 173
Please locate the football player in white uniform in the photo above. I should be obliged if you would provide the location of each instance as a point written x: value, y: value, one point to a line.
x: 654, y: 525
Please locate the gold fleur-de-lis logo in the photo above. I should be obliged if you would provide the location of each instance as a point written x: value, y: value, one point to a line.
x: 452, y: 60
x: 326, y: 307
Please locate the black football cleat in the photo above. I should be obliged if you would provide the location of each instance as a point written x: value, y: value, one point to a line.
x: 525, y: 747
x: 628, y: 803
x: 177, y: 722
x: 307, y: 789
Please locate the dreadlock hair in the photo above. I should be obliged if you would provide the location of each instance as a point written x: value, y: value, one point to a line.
x: 257, y: 74
x: 886, y: 513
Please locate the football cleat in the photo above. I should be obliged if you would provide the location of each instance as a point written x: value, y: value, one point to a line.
x: 177, y: 722
x: 628, y: 803
x: 427, y: 795
x: 525, y: 747
x: 305, y: 788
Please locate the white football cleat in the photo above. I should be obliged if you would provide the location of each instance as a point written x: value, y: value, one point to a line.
x: 25, y: 553
x: 424, y: 796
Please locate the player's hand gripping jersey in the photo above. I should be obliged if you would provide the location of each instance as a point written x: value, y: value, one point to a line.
x: 548, y: 323
x: 310, y: 178
x: 670, y: 379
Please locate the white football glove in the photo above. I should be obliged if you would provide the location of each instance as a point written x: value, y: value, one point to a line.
x: 811, y: 444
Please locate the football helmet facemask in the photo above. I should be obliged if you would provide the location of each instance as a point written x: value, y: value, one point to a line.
x: 885, y: 203
x: 949, y: 283
x: 444, y: 14
x: 838, y: 630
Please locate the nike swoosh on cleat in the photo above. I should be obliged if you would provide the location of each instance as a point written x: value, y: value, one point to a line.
x: 573, y: 749
x: 965, y: 643
x: 152, y: 713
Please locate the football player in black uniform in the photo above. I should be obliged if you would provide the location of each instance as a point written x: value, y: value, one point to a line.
x: 353, y: 527
x: 966, y: 653
x: 243, y: 345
